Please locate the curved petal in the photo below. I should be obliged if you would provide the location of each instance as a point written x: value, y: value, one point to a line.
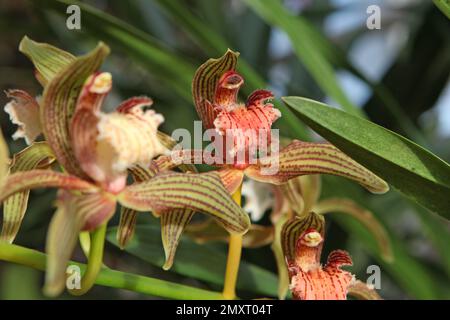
x: 364, y: 216
x: 37, y: 155
x: 205, y: 82
x: 38, y: 178
x: 173, y: 223
x: 59, y: 104
x: 23, y: 111
x: 231, y: 178
x: 127, y: 225
x: 127, y: 222
x: 48, y: 60
x: 198, y: 192
x: 362, y: 291
x: 74, y: 213
x: 302, y: 158
x: 294, y: 228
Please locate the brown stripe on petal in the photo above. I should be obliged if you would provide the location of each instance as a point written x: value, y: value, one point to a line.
x: 198, y: 192
x: 294, y: 228
x: 38, y: 155
x: 303, y: 158
x: 38, y: 178
x: 173, y: 223
x: 231, y: 178
x: 59, y: 104
x: 205, y: 82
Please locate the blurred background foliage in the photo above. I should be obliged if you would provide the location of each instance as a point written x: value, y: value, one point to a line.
x: 397, y: 76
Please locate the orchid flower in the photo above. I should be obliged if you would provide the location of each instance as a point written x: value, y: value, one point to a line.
x: 95, y: 151
x: 302, y: 241
x: 297, y: 198
x: 215, y: 89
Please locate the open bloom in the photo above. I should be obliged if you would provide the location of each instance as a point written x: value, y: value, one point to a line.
x: 215, y: 89
x: 302, y: 240
x: 240, y: 129
x: 96, y: 151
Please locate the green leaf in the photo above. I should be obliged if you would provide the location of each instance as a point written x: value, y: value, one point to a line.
x: 171, y: 68
x: 411, y: 169
x: 305, y: 47
x: 444, y: 6
x: 404, y: 267
x: 154, y: 55
x: 203, y: 262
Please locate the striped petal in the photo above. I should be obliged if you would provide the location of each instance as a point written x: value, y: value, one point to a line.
x: 173, y: 223
x: 127, y: 222
x: 38, y: 155
x: 74, y: 213
x: 231, y: 178
x: 39, y: 178
x: 303, y: 158
x: 294, y: 228
x: 48, y: 60
x: 198, y: 192
x: 362, y: 291
x: 127, y: 225
x: 364, y: 216
x: 205, y: 83
x: 23, y: 111
x: 60, y: 101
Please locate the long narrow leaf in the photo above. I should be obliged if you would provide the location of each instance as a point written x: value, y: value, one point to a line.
x: 411, y: 169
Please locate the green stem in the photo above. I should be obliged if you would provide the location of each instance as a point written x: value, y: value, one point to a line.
x: 95, y: 261
x: 112, y: 278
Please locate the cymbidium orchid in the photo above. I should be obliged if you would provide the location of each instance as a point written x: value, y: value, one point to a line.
x: 293, y: 200
x: 242, y: 147
x: 302, y: 240
x: 95, y: 151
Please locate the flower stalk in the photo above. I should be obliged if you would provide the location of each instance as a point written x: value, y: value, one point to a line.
x: 112, y: 278
x: 95, y: 261
x: 234, y: 257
